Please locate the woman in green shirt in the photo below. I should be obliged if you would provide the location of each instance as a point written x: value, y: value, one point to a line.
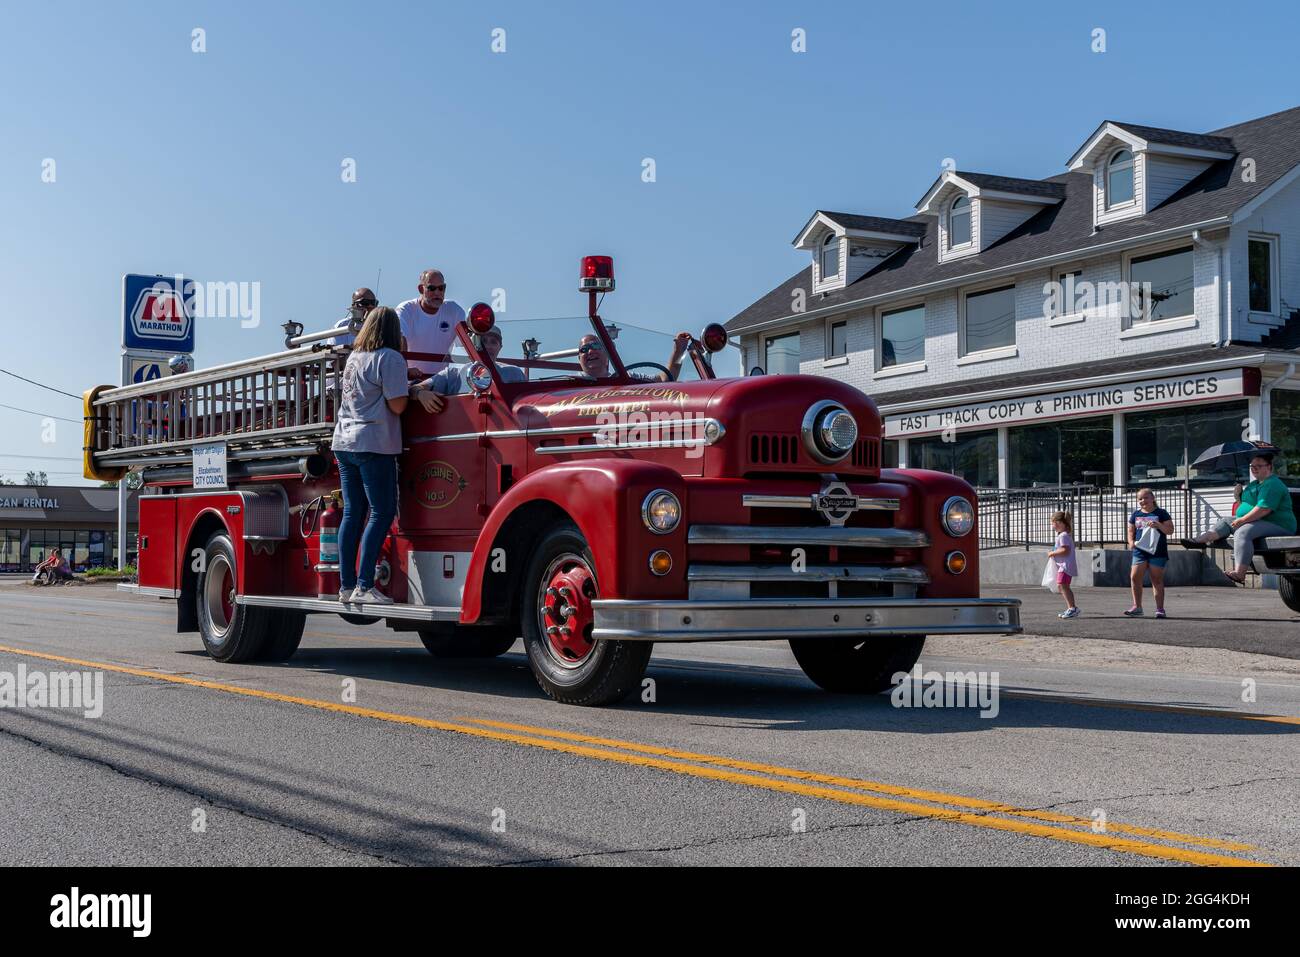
x: 1263, y: 510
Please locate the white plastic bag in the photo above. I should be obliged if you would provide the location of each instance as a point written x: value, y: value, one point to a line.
x: 1049, y: 575
x: 1149, y: 540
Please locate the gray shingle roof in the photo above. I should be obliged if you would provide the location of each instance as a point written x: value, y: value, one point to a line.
x: 1199, y: 141
x: 1007, y: 184
x: 1272, y: 142
x: 879, y: 224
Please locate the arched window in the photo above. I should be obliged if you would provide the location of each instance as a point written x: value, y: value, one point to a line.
x: 959, y: 222
x: 1119, y: 179
x: 830, y: 262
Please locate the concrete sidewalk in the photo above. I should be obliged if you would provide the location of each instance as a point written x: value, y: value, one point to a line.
x: 1238, y: 619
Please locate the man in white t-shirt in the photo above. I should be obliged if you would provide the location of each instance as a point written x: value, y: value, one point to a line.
x: 429, y: 323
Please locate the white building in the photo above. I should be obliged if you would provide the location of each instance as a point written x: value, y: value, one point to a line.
x: 1101, y: 326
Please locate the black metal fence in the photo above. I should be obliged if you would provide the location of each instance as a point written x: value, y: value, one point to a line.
x: 1022, y: 517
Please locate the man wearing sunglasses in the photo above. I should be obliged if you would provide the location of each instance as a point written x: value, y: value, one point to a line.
x: 363, y: 300
x: 594, y: 360
x: 429, y: 323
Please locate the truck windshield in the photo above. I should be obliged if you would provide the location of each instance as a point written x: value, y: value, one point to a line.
x: 547, y: 350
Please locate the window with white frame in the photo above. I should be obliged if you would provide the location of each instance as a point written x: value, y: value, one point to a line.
x: 830, y: 258
x: 837, y: 339
x: 781, y: 354
x: 989, y: 319
x: 1068, y: 294
x: 1161, y: 286
x: 1119, y: 179
x: 1262, y: 267
x: 902, y: 336
x: 959, y: 222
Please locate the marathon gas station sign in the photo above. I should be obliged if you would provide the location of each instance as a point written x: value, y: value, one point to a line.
x: 1145, y: 394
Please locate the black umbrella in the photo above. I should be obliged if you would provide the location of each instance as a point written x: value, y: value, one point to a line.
x: 1232, y: 456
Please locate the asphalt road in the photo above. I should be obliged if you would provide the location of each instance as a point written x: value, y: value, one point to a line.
x: 1102, y: 751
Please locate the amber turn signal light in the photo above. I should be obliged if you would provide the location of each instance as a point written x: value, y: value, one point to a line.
x: 661, y: 563
x: 955, y: 562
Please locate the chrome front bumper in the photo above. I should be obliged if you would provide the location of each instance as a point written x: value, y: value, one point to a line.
x: 778, y: 618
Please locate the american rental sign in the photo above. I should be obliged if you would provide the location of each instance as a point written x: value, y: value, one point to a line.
x: 1144, y: 394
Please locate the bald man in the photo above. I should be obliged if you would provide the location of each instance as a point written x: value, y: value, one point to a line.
x: 429, y: 322
x: 363, y: 300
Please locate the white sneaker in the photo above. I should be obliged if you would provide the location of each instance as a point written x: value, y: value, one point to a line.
x: 371, y: 597
x: 345, y: 594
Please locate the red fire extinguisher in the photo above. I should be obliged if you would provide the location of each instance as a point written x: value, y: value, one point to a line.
x: 327, y: 568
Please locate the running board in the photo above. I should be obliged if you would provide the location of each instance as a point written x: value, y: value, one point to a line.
x: 368, y: 609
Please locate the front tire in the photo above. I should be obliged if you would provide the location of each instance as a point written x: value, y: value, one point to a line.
x: 1289, y: 590
x: 856, y: 665
x: 556, y: 619
x: 231, y: 632
x: 283, y: 635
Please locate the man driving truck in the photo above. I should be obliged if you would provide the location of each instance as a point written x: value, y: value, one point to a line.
x: 594, y: 360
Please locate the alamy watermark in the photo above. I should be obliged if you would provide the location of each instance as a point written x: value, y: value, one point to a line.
x: 72, y: 690
x: 1126, y: 300
x: 215, y: 300
x: 946, y: 689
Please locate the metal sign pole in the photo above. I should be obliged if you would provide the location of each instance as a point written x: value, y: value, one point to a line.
x: 121, y: 485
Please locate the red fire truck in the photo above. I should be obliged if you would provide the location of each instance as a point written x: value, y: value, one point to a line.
x: 591, y: 516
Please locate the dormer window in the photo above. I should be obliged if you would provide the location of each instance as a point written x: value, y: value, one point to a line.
x: 1119, y: 179
x: 959, y: 231
x: 830, y: 257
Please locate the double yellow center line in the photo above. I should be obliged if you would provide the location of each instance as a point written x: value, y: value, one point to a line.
x: 1122, y: 838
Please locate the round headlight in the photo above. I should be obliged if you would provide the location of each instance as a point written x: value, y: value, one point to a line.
x: 838, y: 432
x: 958, y: 516
x: 661, y: 511
x: 829, y: 431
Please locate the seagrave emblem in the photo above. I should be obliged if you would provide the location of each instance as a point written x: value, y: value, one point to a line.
x: 835, y: 502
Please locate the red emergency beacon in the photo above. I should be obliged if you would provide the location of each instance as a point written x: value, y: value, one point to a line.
x: 597, y: 274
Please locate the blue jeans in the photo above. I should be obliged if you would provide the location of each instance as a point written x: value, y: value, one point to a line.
x: 369, y: 481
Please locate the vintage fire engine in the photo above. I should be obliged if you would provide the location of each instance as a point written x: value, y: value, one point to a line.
x: 591, y: 516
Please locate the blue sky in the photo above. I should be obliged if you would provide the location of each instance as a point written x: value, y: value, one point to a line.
x: 505, y: 168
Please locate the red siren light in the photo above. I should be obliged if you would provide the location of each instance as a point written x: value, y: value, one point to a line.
x: 481, y: 317
x: 597, y: 274
x: 714, y: 337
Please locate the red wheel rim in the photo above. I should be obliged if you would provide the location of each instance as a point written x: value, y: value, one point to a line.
x: 564, y: 609
x: 228, y: 595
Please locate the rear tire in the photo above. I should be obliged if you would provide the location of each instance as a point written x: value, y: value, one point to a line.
x: 856, y: 665
x: 483, y: 641
x: 568, y: 664
x: 1289, y: 589
x: 231, y: 632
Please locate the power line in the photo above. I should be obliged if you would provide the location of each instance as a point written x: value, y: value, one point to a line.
x: 14, y: 408
x: 41, y: 384
x: 41, y: 458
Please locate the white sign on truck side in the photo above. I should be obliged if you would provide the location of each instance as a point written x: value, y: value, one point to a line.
x: 210, y: 466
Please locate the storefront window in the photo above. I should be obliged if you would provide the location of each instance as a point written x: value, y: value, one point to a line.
x: 973, y: 456
x: 1061, y: 453
x: 1285, y: 432
x: 1161, y: 445
x: 889, y: 454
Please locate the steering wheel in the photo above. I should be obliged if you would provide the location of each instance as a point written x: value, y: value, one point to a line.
x: 653, y: 365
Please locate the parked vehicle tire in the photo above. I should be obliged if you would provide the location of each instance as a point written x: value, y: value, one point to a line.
x: 556, y: 619
x: 230, y: 632
x: 1289, y: 588
x: 283, y: 634
x: 485, y: 641
x: 856, y: 665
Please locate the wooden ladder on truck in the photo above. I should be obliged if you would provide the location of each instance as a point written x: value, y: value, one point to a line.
x: 272, y: 407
